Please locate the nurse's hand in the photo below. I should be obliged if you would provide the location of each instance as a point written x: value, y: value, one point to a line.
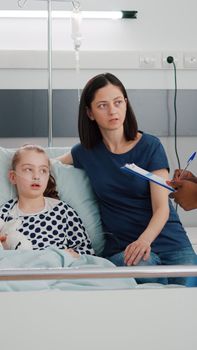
x: 185, y: 194
x: 137, y: 250
x: 185, y: 175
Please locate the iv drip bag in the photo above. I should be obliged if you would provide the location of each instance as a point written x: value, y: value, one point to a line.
x: 76, y: 27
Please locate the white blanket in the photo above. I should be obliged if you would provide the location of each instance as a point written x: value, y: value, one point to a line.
x: 56, y: 258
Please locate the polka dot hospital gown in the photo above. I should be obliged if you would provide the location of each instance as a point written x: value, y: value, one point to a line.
x: 57, y: 225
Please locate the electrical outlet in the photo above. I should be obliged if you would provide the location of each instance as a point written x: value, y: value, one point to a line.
x: 190, y: 60
x: 147, y: 61
x: 175, y: 56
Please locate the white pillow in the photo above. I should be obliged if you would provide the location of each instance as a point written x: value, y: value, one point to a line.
x: 73, y: 186
x: 7, y: 191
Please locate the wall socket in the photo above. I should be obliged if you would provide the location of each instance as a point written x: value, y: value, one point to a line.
x: 190, y: 60
x: 165, y: 63
x: 147, y: 61
x: 158, y: 60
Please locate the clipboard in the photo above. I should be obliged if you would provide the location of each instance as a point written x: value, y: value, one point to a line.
x: 134, y: 169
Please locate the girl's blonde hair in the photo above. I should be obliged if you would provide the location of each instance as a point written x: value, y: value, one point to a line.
x: 50, y: 190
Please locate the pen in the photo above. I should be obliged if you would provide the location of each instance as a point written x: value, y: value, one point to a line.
x: 188, y: 163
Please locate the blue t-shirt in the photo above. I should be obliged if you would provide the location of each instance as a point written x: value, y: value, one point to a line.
x: 124, y: 199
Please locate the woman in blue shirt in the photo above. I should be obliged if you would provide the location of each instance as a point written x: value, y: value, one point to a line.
x: 141, y: 225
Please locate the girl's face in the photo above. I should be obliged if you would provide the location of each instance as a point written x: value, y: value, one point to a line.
x: 31, y: 174
x: 108, y: 108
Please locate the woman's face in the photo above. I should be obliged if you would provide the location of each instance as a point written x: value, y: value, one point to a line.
x: 108, y: 108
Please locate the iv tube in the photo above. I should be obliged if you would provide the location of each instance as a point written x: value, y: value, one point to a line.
x: 76, y: 36
x: 78, y: 73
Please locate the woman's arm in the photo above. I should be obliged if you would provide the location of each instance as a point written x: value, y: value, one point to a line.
x: 140, y: 249
x: 66, y: 158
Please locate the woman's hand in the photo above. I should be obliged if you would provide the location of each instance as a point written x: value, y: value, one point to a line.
x: 66, y: 159
x: 137, y: 250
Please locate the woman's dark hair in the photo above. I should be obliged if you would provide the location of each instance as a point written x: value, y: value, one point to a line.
x: 50, y: 190
x: 89, y: 132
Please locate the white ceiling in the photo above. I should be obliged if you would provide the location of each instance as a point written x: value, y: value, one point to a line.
x: 66, y: 5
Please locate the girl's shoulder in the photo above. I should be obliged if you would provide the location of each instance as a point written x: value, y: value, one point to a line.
x: 6, y: 208
x: 8, y: 205
x: 52, y: 204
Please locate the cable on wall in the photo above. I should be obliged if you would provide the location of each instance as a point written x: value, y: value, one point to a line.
x: 170, y: 60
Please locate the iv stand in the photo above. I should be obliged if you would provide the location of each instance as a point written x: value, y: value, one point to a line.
x: 50, y: 91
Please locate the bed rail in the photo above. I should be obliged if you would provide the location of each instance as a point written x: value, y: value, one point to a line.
x: 112, y: 272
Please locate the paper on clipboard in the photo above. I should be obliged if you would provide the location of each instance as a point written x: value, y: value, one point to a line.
x: 133, y: 168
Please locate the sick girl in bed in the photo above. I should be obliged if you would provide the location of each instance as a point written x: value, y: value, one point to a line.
x: 43, y: 220
x: 141, y: 225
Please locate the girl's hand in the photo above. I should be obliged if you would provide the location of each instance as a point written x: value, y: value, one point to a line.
x: 2, y: 238
x: 72, y: 252
x: 137, y: 250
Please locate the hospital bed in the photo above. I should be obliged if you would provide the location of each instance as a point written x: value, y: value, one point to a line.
x: 149, y: 317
